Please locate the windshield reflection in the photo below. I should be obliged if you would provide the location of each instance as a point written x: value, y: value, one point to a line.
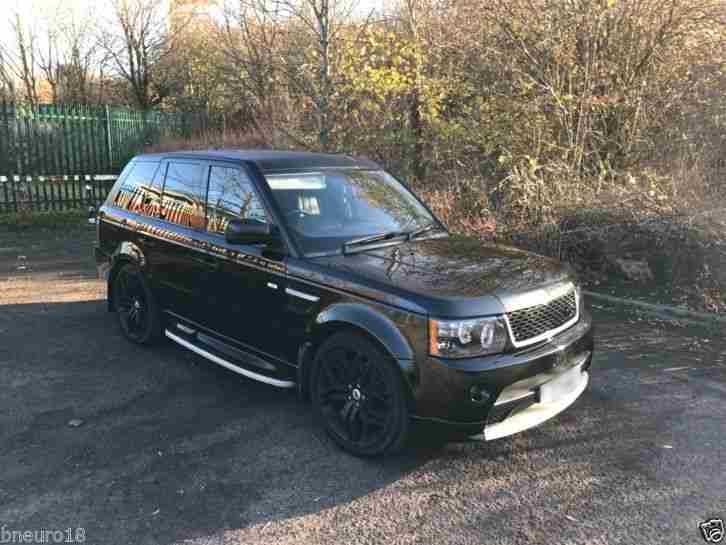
x: 324, y: 210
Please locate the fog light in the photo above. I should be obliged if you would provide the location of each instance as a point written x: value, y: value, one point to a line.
x: 479, y: 394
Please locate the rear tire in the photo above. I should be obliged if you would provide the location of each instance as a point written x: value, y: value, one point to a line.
x: 135, y: 306
x: 359, y: 396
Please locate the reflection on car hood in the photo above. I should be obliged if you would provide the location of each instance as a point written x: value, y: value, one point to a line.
x: 451, y: 276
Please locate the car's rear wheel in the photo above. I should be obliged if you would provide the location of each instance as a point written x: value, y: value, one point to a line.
x: 359, y: 396
x: 135, y: 305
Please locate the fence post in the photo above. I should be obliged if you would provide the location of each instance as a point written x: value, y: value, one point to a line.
x: 13, y: 192
x: 4, y: 139
x: 108, y: 138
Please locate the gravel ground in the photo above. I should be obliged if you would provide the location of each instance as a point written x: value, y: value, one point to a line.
x: 145, y: 446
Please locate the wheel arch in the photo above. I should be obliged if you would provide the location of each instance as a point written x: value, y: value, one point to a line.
x: 362, y: 319
x: 127, y: 252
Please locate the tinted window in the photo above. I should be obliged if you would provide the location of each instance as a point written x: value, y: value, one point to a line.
x: 137, y: 192
x: 231, y: 195
x: 184, y: 195
x: 113, y: 194
x: 153, y: 199
x: 324, y: 210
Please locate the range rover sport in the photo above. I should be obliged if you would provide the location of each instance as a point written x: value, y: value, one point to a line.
x: 326, y: 274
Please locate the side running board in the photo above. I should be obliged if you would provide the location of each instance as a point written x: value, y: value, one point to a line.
x: 231, y: 366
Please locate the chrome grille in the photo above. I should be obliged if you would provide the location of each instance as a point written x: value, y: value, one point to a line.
x: 531, y: 323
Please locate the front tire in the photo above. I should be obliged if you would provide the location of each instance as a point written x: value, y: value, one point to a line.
x: 135, y: 306
x: 359, y: 396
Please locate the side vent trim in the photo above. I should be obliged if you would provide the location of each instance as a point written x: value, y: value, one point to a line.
x: 302, y: 295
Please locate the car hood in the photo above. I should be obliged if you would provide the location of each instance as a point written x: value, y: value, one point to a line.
x: 452, y: 276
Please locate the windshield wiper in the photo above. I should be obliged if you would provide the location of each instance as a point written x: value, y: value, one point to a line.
x: 374, y: 238
x: 425, y: 229
x: 390, y: 235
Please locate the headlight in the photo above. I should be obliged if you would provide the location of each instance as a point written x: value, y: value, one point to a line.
x: 467, y: 338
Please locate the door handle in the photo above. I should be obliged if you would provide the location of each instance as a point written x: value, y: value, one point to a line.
x: 209, y: 262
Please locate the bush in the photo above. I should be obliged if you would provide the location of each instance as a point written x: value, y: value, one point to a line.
x: 684, y: 250
x: 229, y: 139
x: 462, y: 206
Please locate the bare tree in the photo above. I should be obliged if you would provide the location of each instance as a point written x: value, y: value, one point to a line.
x: 250, y: 40
x: 286, y: 55
x: 49, y: 60
x: 7, y: 79
x: 24, y: 65
x: 69, y: 57
x: 317, y: 16
x: 136, y: 41
x: 311, y: 71
x: 81, y: 61
x: 411, y: 11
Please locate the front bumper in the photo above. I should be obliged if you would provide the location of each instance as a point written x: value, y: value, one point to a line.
x: 512, y: 397
x: 521, y: 415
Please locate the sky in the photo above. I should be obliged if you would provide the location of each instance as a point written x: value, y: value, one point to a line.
x: 47, y: 7
x: 39, y: 11
x: 98, y: 7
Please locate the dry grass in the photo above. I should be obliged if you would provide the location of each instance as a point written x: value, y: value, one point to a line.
x: 229, y: 139
x: 461, y: 208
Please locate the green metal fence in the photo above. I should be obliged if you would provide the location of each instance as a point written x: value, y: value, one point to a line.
x: 47, y: 193
x: 58, y: 140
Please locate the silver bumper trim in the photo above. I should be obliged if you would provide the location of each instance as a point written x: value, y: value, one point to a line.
x: 534, y: 414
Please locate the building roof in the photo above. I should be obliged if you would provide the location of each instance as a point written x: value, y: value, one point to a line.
x: 274, y: 160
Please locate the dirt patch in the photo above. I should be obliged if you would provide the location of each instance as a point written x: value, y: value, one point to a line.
x: 47, y: 266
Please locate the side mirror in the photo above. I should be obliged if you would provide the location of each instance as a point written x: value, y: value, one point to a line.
x: 250, y: 232
x: 92, y: 219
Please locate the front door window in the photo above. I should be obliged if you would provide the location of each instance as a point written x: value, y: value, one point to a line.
x: 231, y: 196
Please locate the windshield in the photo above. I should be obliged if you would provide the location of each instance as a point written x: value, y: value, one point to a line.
x: 324, y: 210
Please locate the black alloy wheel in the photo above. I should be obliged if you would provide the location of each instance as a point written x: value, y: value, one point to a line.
x: 359, y: 396
x: 135, y: 305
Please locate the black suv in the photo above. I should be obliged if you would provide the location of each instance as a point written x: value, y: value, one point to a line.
x: 326, y: 274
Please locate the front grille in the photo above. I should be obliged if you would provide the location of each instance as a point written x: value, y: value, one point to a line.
x: 529, y: 323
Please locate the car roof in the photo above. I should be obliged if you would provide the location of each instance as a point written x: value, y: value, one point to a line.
x: 273, y: 160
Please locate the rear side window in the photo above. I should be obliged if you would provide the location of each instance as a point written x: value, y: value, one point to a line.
x: 184, y: 195
x: 137, y: 191
x: 113, y: 194
x: 231, y: 196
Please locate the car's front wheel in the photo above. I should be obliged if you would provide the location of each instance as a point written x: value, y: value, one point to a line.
x: 135, y: 305
x: 359, y: 396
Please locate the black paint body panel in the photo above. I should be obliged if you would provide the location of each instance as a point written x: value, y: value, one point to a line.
x: 239, y: 296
